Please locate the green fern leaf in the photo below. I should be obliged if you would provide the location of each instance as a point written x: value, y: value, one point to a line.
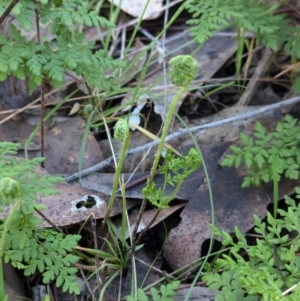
x: 141, y: 295
x: 256, y: 16
x: 71, y: 285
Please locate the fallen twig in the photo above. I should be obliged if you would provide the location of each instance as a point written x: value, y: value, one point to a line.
x: 202, y: 127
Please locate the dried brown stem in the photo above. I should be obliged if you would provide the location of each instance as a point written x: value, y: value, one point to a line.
x: 8, y: 10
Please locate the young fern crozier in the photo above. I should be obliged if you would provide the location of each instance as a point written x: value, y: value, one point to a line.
x: 10, y: 190
x: 184, y: 69
x: 122, y: 134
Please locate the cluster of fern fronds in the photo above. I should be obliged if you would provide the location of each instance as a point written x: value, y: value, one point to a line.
x: 271, y: 28
x: 23, y: 243
x: 49, y: 59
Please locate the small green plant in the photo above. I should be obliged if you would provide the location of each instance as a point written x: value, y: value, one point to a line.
x: 117, y: 255
x: 268, y: 156
x: 175, y: 170
x: 184, y: 68
x: 166, y: 293
x: 114, y: 260
x: 268, y: 270
x: 23, y: 243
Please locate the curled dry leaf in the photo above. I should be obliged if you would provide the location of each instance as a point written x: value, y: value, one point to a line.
x: 75, y: 109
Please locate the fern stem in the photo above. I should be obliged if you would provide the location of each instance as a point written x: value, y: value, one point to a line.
x: 275, y: 196
x: 156, y: 160
x: 183, y: 71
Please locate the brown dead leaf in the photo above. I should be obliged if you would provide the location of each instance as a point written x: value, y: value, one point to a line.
x: 63, y: 139
x: 148, y: 215
x: 62, y: 209
x: 74, y: 204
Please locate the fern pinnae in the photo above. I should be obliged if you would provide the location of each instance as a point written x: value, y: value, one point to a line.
x: 165, y: 293
x: 23, y: 243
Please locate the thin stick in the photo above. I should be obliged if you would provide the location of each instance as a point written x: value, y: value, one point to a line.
x: 181, y: 132
x: 252, y: 86
x: 27, y: 107
x: 8, y: 10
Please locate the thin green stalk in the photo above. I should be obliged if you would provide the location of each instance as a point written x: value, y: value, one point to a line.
x: 165, y: 130
x: 239, y: 53
x: 184, y: 69
x: 2, y: 294
x: 275, y: 186
x: 122, y: 133
x: 155, y: 164
x: 136, y: 28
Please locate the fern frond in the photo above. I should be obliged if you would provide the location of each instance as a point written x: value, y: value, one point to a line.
x: 72, y: 12
x: 256, y: 16
x: 51, y: 60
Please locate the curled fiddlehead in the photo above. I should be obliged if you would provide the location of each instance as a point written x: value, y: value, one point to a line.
x: 10, y: 190
x: 184, y: 69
